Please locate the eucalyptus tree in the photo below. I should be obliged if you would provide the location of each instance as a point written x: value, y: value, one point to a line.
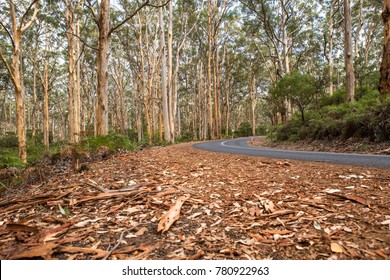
x: 384, y: 86
x: 101, y: 16
x: 348, y: 53
x: 72, y: 20
x: 21, y: 17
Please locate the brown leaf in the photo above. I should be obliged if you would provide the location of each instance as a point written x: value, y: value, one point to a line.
x: 268, y: 231
x: 171, y: 216
x: 352, y: 198
x: 52, y: 233
x: 98, y: 253
x: 336, y: 248
x: 146, y: 251
x: 21, y: 227
x: 42, y: 250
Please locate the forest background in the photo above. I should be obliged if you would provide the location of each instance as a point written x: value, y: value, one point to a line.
x: 122, y: 74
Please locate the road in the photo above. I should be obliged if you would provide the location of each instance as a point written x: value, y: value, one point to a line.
x: 240, y: 146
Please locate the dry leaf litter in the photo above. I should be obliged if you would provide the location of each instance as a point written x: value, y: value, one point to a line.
x: 177, y: 202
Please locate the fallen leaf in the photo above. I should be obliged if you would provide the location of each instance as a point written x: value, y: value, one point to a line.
x: 336, y: 248
x: 352, y: 198
x: 43, y: 250
x: 200, y: 229
x: 172, y: 215
x: 98, y: 253
x: 84, y: 223
x: 386, y: 222
x: 141, y: 231
x: 62, y: 210
x: 195, y: 215
x: 267, y: 231
x: 268, y: 206
x: 332, y: 190
x: 246, y: 242
x: 21, y: 227
x: 347, y: 229
x: 316, y: 225
x: 216, y: 223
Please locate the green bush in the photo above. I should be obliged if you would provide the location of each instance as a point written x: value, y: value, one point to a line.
x: 9, y: 141
x: 368, y: 117
x: 336, y: 99
x: 10, y: 160
x: 113, y: 141
x: 244, y: 130
x: 263, y: 129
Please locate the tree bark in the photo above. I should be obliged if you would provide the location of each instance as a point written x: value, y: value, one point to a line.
x: 348, y: 53
x: 330, y: 55
x: 171, y: 103
x: 15, y: 72
x: 384, y: 84
x: 252, y: 87
x: 143, y: 82
x: 45, y: 87
x: 164, y: 93
x: 102, y: 68
x: 210, y: 35
x: 69, y: 14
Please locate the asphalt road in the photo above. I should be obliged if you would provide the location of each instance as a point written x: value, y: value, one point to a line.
x: 240, y: 146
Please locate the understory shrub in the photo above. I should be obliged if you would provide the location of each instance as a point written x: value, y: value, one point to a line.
x: 368, y: 117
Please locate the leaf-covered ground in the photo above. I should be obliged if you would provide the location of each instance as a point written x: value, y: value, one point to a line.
x: 205, y: 206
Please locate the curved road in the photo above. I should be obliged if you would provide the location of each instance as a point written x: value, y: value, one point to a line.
x: 240, y: 146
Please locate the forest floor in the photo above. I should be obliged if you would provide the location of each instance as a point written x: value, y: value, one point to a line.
x: 223, y: 207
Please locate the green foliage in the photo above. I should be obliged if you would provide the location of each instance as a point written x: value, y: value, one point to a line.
x: 299, y: 88
x: 336, y: 99
x: 229, y: 134
x: 8, y: 158
x: 263, y: 129
x: 244, y: 130
x: 368, y: 117
x: 36, y: 151
x: 9, y: 141
x: 113, y: 141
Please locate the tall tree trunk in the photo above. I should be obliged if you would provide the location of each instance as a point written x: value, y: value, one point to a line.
x: 286, y: 58
x: 45, y: 87
x: 171, y: 103
x: 384, y: 85
x: 143, y: 82
x: 77, y: 85
x: 164, y: 93
x: 216, y: 93
x: 34, y: 110
x: 15, y: 73
x: 359, y: 28
x: 210, y: 35
x: 330, y: 55
x: 252, y: 86
x: 348, y: 53
x: 19, y: 95
x: 69, y: 14
x: 102, y: 68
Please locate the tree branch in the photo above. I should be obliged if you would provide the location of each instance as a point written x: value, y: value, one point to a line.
x: 34, y: 16
x: 95, y: 16
x: 7, y: 65
x: 82, y: 40
x: 9, y: 34
x: 146, y: 3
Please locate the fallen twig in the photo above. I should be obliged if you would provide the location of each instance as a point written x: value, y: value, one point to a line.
x: 116, y: 246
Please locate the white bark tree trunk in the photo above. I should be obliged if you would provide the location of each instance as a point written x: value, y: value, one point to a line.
x: 15, y: 73
x: 348, y: 53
